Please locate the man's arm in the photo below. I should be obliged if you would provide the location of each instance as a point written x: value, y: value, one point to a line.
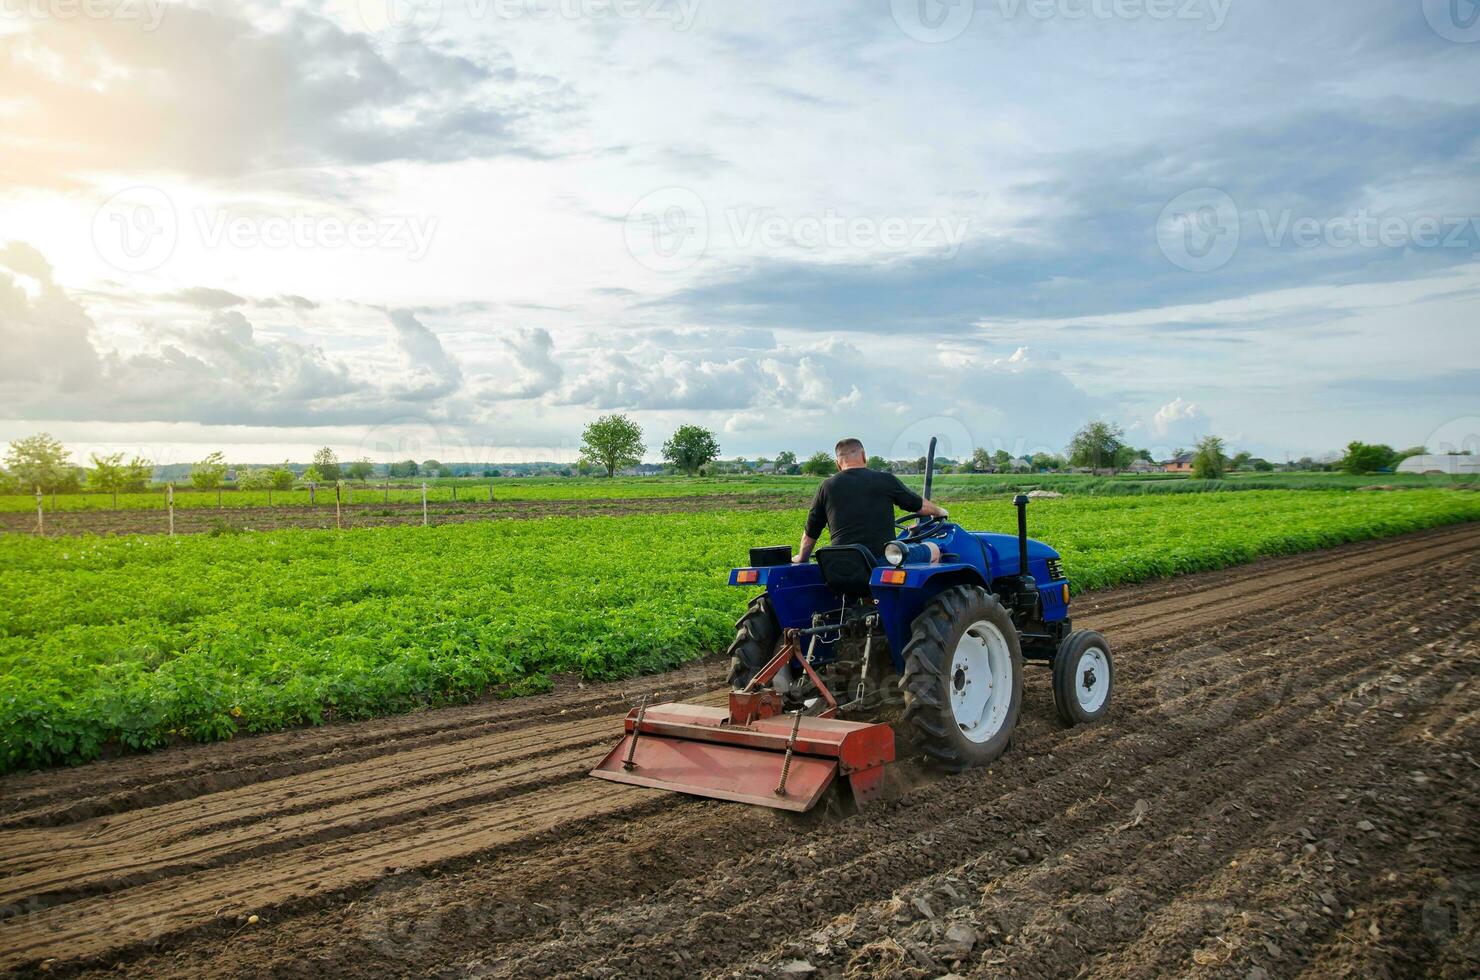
x: 816, y: 521
x: 908, y: 500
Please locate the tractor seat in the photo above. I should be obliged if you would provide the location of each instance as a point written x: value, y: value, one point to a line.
x: 846, y: 568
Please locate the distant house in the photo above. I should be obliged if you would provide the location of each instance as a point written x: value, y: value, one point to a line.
x: 766, y: 468
x: 1181, y: 463
x: 1018, y: 465
x: 642, y: 469
x: 1141, y: 466
x: 1452, y: 464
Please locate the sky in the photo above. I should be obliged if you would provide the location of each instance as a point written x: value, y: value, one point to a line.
x: 465, y: 228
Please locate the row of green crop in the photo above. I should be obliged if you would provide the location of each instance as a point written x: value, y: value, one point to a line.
x: 957, y: 486
x: 137, y: 640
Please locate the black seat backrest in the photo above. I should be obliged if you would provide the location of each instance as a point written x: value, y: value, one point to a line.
x: 846, y: 568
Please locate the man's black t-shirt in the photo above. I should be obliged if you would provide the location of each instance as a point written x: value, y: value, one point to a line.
x: 857, y: 506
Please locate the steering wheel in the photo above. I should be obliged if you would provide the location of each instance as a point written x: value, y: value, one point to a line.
x: 927, y: 527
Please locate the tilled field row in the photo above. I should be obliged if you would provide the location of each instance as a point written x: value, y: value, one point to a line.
x: 469, y: 840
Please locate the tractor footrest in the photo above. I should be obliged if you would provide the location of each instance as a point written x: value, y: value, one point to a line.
x: 697, y: 749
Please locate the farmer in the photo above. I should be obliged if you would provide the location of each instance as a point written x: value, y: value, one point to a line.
x: 857, y: 504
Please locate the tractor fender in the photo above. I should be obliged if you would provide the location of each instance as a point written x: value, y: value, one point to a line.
x: 900, y: 602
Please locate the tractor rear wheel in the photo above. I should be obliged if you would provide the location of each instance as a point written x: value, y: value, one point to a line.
x: 1083, y: 678
x: 757, y: 636
x: 963, y: 679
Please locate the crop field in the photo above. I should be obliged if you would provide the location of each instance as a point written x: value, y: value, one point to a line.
x: 135, y: 641
x: 1285, y: 787
x: 474, y: 490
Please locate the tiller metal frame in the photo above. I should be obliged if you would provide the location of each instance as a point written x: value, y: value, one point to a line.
x: 754, y: 751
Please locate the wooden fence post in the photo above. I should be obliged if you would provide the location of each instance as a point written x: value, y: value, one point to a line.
x: 454, y: 491
x: 387, y: 497
x: 338, y: 525
x: 40, y: 514
x: 170, y: 498
x: 312, y: 494
x: 423, y: 503
x: 490, y: 493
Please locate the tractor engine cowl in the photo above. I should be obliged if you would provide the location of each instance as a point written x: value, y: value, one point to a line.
x: 917, y: 553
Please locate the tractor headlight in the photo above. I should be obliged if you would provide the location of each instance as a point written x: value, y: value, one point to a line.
x: 899, y: 553
x: 895, y: 553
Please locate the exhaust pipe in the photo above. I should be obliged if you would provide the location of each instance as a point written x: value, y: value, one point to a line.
x: 1021, y: 501
x: 929, y: 468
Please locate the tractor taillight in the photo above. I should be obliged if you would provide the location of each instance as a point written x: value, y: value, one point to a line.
x: 893, y: 576
x: 747, y: 575
x: 1066, y: 593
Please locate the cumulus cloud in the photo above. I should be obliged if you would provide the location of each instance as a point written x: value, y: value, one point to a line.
x: 213, y: 92
x: 528, y: 367
x: 222, y: 371
x: 1180, y: 422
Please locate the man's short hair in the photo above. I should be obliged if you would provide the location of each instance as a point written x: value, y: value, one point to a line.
x: 847, y: 447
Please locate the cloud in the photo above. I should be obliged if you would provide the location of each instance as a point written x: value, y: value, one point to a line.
x: 1179, y: 423
x: 219, y: 372
x: 207, y: 298
x: 529, y: 366
x: 213, y: 92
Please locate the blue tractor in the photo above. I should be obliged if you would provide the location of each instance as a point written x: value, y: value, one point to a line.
x: 936, y: 635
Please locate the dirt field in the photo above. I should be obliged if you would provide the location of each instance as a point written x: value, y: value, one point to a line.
x: 201, y: 520
x: 1288, y: 785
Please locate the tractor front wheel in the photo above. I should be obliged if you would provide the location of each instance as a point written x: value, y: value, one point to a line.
x: 1083, y: 677
x: 757, y: 636
x: 963, y: 679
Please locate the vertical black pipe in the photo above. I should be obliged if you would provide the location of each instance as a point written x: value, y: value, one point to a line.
x: 1021, y: 500
x: 929, y: 468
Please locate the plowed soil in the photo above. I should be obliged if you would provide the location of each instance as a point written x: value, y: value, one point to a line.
x: 201, y: 520
x: 1288, y: 785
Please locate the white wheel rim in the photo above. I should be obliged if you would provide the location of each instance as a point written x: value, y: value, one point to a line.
x: 1092, y: 679
x: 980, y: 681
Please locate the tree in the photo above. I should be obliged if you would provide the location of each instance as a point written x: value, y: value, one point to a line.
x: 40, y: 461
x: 1261, y: 465
x: 1096, y: 445
x: 1001, y: 460
x: 110, y: 474
x: 1208, y: 461
x: 1241, y: 460
x: 361, y: 469
x: 877, y: 463
x: 312, y: 475
x: 611, y: 442
x: 981, y: 460
x: 327, y: 464
x: 1403, y: 454
x: 209, y: 473
x: 282, y: 478
x: 1124, y: 457
x: 407, y: 467
x: 1362, y: 457
x: 786, y: 459
x: 690, y: 448
x: 820, y: 463
x: 256, y: 478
